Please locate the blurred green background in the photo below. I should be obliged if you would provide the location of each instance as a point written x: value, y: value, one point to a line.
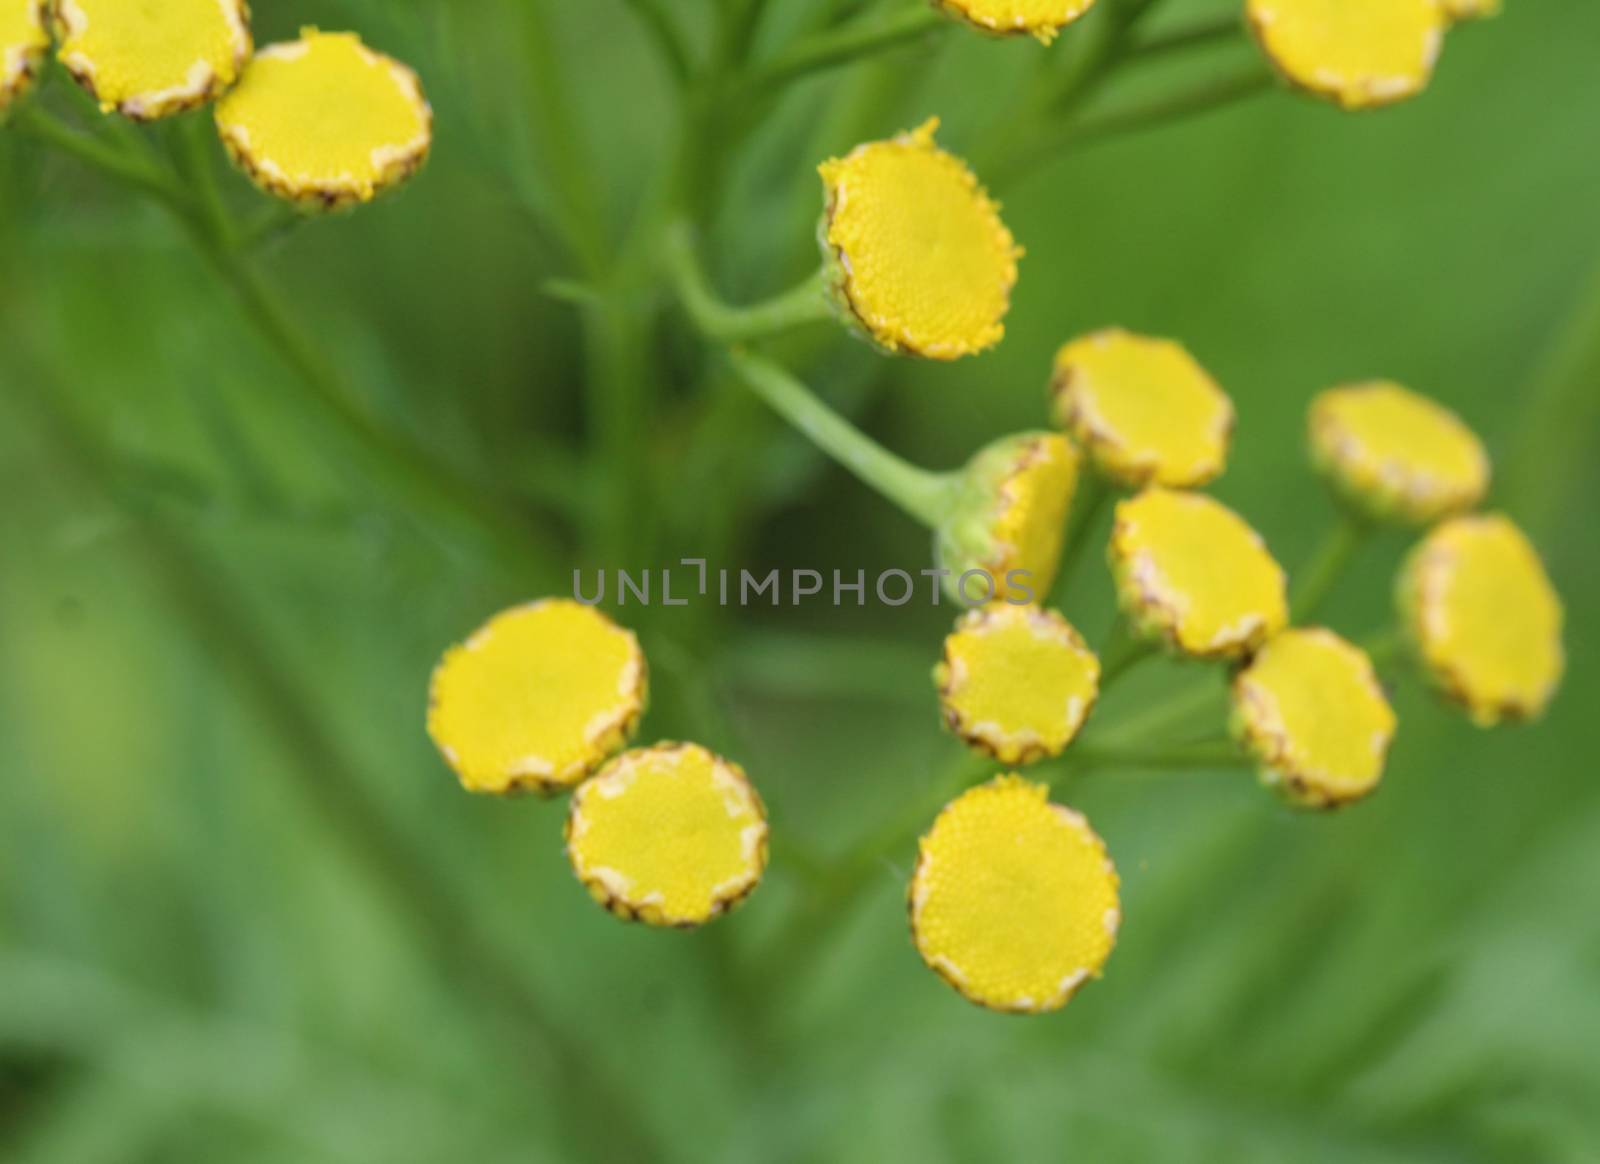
x: 247, y: 915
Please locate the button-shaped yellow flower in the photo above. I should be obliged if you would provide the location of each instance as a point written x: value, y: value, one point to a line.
x: 537, y: 698
x: 1143, y: 408
x: 146, y: 59
x: 1041, y: 19
x: 325, y: 120
x: 915, y: 251
x: 23, y: 42
x: 1191, y: 571
x: 1310, y: 708
x: 670, y: 835
x: 1008, y: 519
x: 1484, y: 618
x: 1396, y: 455
x: 1014, y: 899
x: 1016, y: 682
x: 1355, y: 53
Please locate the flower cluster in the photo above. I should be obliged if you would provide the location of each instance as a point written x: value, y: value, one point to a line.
x: 541, y: 698
x: 321, y: 121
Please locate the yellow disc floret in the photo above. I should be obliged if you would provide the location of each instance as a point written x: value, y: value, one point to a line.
x: 670, y: 835
x: 1016, y: 682
x: 1484, y: 618
x: 23, y: 42
x: 1356, y: 53
x: 1310, y: 708
x: 1040, y: 19
x: 327, y: 121
x: 1188, y: 569
x: 917, y: 255
x: 150, y: 58
x: 1014, y: 899
x: 1007, y: 522
x: 1397, y: 455
x: 537, y: 698
x: 1143, y: 408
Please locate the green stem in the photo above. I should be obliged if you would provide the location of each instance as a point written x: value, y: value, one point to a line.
x: 668, y: 40
x: 407, y: 472
x: 1123, y: 651
x: 803, y: 304
x: 419, y: 889
x: 1091, y: 502
x: 1386, y: 648
x: 1205, y: 32
x: 1328, y: 564
x: 426, y: 487
x: 837, y: 47
x: 1132, y: 117
x: 33, y: 120
x: 1208, y: 754
x: 926, y: 496
x: 1170, y: 714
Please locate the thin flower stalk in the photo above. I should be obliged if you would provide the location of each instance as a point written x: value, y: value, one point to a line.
x: 1330, y: 562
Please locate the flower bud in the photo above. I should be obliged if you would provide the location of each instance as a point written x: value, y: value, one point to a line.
x: 669, y: 835
x: 915, y: 255
x: 1016, y: 682
x: 1192, y: 573
x: 1007, y: 519
x: 1357, y: 54
x: 326, y: 122
x: 1484, y: 618
x: 1040, y: 19
x: 1014, y: 899
x: 147, y: 60
x: 1310, y: 708
x: 537, y: 698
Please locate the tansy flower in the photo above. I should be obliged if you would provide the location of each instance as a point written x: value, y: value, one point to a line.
x: 1310, y: 708
x: 1040, y: 19
x: 1188, y: 569
x: 1484, y: 618
x: 537, y: 698
x: 1007, y: 518
x: 670, y: 835
x: 325, y: 120
x: 1355, y: 53
x: 1014, y: 899
x: 1016, y: 682
x: 148, y: 60
x: 1396, y: 455
x: 23, y: 42
x: 915, y: 252
x: 1143, y: 409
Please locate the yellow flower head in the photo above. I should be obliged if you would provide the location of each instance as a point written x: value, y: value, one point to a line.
x: 1190, y: 570
x: 1016, y: 682
x: 1484, y: 618
x: 24, y: 40
x: 326, y: 121
x: 147, y: 60
x: 1311, y: 709
x: 1008, y: 518
x: 917, y: 256
x: 1014, y: 899
x: 670, y: 835
x: 1396, y: 455
x: 1040, y: 19
x: 537, y: 698
x: 1144, y: 409
x: 1355, y: 53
